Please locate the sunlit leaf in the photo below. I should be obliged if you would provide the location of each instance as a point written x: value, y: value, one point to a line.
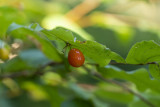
x: 144, y: 52
x: 34, y: 30
x: 91, y: 49
x: 9, y: 15
x: 53, y: 21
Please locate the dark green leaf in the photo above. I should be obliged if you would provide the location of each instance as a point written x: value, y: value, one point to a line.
x: 26, y: 60
x: 4, y: 102
x: 14, y: 65
x: 155, y: 70
x: 34, y: 58
x: 139, y: 77
x: 86, y: 95
x: 152, y: 97
x: 114, y: 94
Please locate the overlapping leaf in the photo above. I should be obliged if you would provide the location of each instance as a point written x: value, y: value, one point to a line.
x: 26, y: 60
x: 100, y: 54
x: 34, y: 30
x: 155, y: 70
x: 93, y: 50
x: 144, y: 52
x: 139, y: 77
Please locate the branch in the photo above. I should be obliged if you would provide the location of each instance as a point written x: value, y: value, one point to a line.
x: 14, y: 75
x: 96, y: 74
x: 99, y: 76
x: 39, y: 70
x: 27, y: 73
x: 115, y: 63
x: 82, y: 9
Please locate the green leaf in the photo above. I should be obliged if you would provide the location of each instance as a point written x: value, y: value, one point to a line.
x: 33, y: 30
x: 144, y: 52
x: 14, y: 65
x: 34, y: 58
x: 54, y: 96
x: 53, y: 21
x: 77, y: 102
x: 27, y: 60
x: 113, y: 93
x: 86, y: 95
x: 155, y: 70
x: 97, y: 52
x: 91, y: 49
x: 116, y: 57
x: 49, y: 49
x: 4, y: 102
x: 80, y: 92
x: 9, y: 15
x: 152, y: 97
x: 32, y: 27
x: 60, y: 33
x: 139, y: 77
x: 42, y: 93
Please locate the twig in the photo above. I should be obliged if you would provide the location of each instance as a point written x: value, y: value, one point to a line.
x: 27, y: 73
x: 39, y: 70
x: 115, y: 63
x: 99, y: 76
x: 96, y: 74
x: 14, y: 75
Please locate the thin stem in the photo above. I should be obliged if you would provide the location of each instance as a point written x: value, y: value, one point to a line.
x: 39, y: 70
x: 96, y: 74
x: 99, y: 76
x: 115, y: 63
x: 27, y: 73
x: 14, y: 75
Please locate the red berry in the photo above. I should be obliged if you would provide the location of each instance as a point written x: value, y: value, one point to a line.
x: 76, y: 57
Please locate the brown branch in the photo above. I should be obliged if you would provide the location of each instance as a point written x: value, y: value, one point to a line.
x: 82, y: 9
x: 99, y: 76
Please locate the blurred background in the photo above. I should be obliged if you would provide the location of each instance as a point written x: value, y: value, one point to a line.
x: 118, y: 24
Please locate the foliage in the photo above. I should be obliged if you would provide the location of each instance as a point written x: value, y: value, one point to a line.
x: 122, y: 62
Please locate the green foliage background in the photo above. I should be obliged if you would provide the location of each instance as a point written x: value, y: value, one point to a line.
x: 120, y: 42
